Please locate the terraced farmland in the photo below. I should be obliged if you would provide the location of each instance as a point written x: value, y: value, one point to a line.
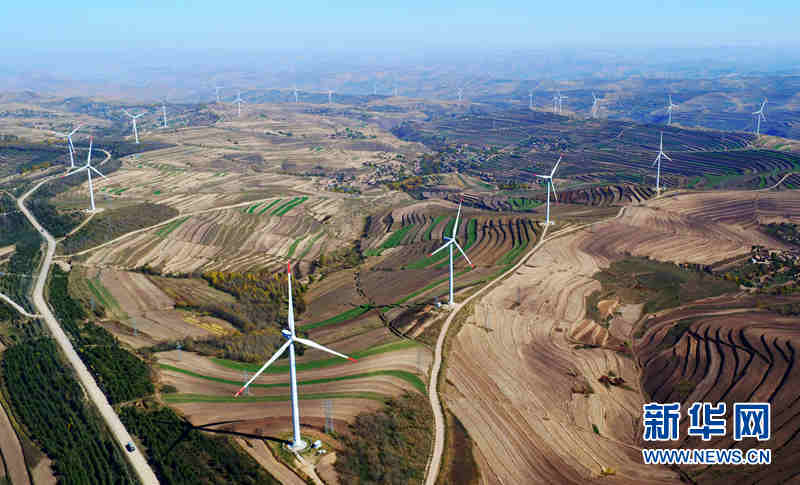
x: 228, y: 240
x: 718, y: 351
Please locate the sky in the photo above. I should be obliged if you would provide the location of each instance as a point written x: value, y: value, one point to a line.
x: 48, y: 25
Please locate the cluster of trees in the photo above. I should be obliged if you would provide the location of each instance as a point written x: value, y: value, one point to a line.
x: 113, y: 223
x: 181, y: 454
x: 784, y: 231
x: 121, y: 375
x: 50, y: 403
x: 17, y: 275
x: 389, y: 446
x: 262, y: 296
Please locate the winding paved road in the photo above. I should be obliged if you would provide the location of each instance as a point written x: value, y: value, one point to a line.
x: 136, y: 459
x: 17, y: 307
x: 435, y: 462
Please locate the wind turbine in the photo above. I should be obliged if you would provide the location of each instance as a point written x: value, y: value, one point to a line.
x: 760, y: 116
x: 164, y: 112
x: 451, y: 241
x: 330, y: 96
x: 530, y: 99
x: 70, y: 146
x: 595, y: 105
x: 297, y: 442
x: 133, y: 118
x: 460, y: 94
x: 296, y: 97
x: 217, y: 88
x: 560, y: 101
x: 238, y: 101
x: 549, y: 179
x: 88, y: 167
x: 658, y: 162
x: 670, y: 107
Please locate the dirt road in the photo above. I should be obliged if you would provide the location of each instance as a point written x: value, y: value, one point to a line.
x: 17, y: 307
x: 136, y: 459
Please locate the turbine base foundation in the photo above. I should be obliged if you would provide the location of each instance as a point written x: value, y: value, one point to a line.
x: 299, y: 446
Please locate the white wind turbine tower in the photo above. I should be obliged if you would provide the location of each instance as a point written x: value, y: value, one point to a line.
x: 238, y: 101
x: 670, y: 107
x: 330, y: 96
x: 760, y: 116
x: 460, y: 94
x: 658, y: 162
x: 164, y: 112
x: 296, y: 97
x: 595, y: 105
x: 297, y: 442
x: 555, y: 103
x: 549, y: 181
x: 217, y: 88
x: 88, y: 167
x: 530, y: 99
x: 70, y: 146
x: 560, y: 102
x: 451, y: 241
x: 133, y: 119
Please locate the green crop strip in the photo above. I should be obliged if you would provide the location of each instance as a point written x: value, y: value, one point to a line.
x: 292, y: 205
x: 342, y: 317
x: 432, y: 226
x: 166, y: 230
x: 265, y: 209
x: 282, y: 206
x: 412, y: 379
x: 294, y: 246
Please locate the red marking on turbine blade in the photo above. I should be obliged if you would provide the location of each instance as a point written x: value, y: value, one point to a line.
x: 239, y: 392
x: 431, y: 254
x: 289, y: 266
x: 352, y: 359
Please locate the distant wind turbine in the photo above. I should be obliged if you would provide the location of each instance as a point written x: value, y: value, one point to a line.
x: 89, y: 169
x: 238, y: 102
x: 291, y: 338
x: 330, y: 96
x: 670, y: 107
x: 658, y: 162
x: 595, y: 105
x: 217, y: 88
x: 133, y: 119
x: 460, y: 94
x: 530, y: 99
x: 451, y: 241
x: 70, y: 146
x: 374, y: 89
x: 549, y: 181
x: 760, y: 116
x: 296, y: 97
x: 164, y: 112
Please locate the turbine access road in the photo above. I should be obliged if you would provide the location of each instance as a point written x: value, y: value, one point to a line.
x: 136, y: 459
x: 435, y: 462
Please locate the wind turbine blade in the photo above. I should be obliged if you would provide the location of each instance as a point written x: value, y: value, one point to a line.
x: 263, y: 367
x: 555, y: 167
x: 98, y: 172
x: 126, y: 112
x: 543, y: 176
x: 75, y: 130
x: 665, y: 156
x: 443, y: 246
x: 656, y: 160
x: 458, y: 246
x: 317, y: 346
x: 552, y: 186
x: 71, y: 172
x: 455, y: 226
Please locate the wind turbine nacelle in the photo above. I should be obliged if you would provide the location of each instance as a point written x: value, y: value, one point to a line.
x: 286, y: 333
